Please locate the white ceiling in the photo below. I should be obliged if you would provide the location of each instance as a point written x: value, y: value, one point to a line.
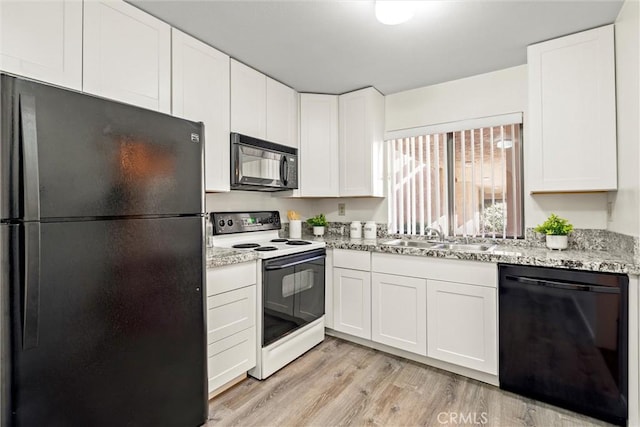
x: 338, y: 46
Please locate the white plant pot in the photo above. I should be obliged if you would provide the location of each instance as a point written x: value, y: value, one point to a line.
x: 318, y: 231
x: 557, y: 242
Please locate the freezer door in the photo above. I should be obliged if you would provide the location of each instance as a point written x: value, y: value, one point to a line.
x: 71, y: 155
x: 119, y: 325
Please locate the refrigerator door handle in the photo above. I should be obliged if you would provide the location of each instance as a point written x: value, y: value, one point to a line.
x: 31, y: 301
x: 30, y: 174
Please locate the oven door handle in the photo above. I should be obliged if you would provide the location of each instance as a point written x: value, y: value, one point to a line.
x: 291, y: 264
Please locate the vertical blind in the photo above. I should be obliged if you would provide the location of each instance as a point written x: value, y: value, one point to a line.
x: 467, y: 182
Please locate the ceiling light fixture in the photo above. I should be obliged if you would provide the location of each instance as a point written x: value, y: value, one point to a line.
x: 507, y: 143
x: 391, y: 12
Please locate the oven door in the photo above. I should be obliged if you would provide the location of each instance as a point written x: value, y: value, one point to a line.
x: 292, y: 293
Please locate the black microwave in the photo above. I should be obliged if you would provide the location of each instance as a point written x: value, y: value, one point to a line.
x: 260, y: 165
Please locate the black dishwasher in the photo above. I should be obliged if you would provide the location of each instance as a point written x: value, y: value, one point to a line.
x: 563, y: 338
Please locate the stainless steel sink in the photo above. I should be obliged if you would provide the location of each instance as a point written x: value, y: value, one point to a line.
x: 475, y: 247
x: 471, y: 247
x: 412, y: 244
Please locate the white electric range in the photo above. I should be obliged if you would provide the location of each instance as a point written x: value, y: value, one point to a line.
x: 291, y: 285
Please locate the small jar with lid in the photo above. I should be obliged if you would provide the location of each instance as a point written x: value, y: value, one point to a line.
x: 370, y: 229
x: 355, y: 230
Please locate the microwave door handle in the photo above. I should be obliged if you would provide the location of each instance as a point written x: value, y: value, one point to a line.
x: 291, y: 264
x: 284, y: 170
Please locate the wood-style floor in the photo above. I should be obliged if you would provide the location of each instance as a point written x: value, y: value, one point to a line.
x: 341, y: 383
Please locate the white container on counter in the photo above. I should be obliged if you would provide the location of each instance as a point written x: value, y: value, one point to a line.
x: 295, y: 228
x: 355, y: 230
x: 370, y: 229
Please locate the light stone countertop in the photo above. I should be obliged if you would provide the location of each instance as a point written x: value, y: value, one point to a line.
x: 602, y: 261
x: 218, y: 257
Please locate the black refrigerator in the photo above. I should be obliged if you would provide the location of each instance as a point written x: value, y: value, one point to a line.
x: 102, y: 262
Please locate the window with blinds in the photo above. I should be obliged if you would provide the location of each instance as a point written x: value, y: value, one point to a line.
x: 466, y: 182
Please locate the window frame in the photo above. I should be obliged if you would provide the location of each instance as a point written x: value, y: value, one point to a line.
x: 449, y: 129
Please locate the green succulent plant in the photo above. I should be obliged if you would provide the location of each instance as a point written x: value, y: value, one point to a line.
x: 317, y: 221
x: 555, y: 226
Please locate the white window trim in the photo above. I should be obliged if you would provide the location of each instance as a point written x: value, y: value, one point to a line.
x: 481, y: 122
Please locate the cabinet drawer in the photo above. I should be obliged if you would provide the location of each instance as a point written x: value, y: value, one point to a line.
x: 230, y: 312
x: 231, y: 357
x: 354, y: 260
x: 230, y: 277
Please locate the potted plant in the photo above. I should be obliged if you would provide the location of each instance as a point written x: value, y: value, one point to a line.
x: 318, y: 222
x: 556, y: 229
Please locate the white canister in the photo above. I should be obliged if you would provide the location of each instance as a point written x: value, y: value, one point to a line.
x: 295, y: 229
x: 355, y: 230
x: 370, y: 230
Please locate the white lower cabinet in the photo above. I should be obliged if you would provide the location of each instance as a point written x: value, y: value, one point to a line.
x: 352, y: 302
x: 399, y: 312
x: 231, y: 323
x: 230, y: 357
x: 462, y: 325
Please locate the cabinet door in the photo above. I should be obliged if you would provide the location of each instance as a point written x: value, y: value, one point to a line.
x: 200, y: 76
x: 572, y: 113
x: 282, y: 114
x: 42, y: 40
x: 461, y: 325
x: 399, y: 312
x: 352, y: 302
x: 361, y: 143
x: 318, y: 146
x: 248, y: 101
x: 127, y: 55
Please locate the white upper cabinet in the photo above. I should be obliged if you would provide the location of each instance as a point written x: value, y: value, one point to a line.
x: 127, y: 55
x: 572, y: 113
x: 200, y: 92
x: 282, y: 114
x: 42, y: 40
x: 318, y: 175
x: 248, y: 101
x: 361, y: 143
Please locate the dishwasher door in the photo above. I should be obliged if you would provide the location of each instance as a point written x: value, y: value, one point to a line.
x: 563, y: 338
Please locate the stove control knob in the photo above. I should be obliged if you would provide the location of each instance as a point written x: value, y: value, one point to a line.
x: 221, y: 223
x: 230, y: 222
x: 271, y: 220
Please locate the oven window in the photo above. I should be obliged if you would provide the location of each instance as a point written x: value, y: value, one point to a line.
x: 293, y: 296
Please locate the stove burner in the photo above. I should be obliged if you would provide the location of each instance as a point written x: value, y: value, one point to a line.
x: 245, y: 246
x: 279, y: 240
x: 266, y: 248
x: 298, y: 242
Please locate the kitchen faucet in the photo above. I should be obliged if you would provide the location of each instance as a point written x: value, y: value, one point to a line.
x: 438, y: 231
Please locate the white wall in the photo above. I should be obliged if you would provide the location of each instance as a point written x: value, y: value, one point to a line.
x: 255, y: 201
x: 499, y: 92
x: 356, y: 209
x: 625, y: 216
